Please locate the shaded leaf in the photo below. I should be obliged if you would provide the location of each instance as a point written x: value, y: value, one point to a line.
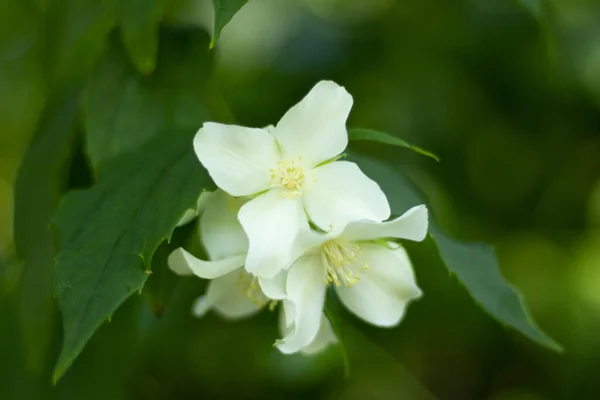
x: 108, y: 233
x: 366, y: 359
x: 474, y: 264
x: 124, y: 109
x: 10, y: 274
x: 224, y: 10
x: 140, y: 21
x: 162, y: 282
x: 40, y: 183
x: 376, y: 136
x: 77, y: 31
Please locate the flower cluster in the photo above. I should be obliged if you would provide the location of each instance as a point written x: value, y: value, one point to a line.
x: 290, y: 219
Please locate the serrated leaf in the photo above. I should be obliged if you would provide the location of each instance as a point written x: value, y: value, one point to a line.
x: 124, y: 109
x: 38, y: 188
x: 162, y: 282
x: 108, y: 233
x: 224, y: 10
x: 474, y: 264
x: 139, y: 20
x: 381, y: 137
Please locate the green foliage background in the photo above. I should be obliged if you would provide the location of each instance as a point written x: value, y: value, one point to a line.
x: 506, y: 93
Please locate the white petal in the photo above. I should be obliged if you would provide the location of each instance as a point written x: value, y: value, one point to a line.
x: 324, y: 338
x: 227, y: 296
x: 238, y: 159
x: 189, y: 215
x: 411, y: 225
x: 274, y: 288
x: 315, y: 128
x: 383, y: 292
x: 178, y: 263
x: 342, y: 193
x: 306, y: 290
x: 204, y: 200
x: 220, y: 231
x: 201, y: 307
x: 272, y: 222
x: 183, y: 263
x: 288, y: 315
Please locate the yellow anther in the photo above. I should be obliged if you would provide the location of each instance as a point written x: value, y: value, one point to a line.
x: 343, y: 262
x: 288, y: 175
x: 250, y: 287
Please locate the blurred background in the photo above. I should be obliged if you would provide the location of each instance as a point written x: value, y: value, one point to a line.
x: 505, y: 92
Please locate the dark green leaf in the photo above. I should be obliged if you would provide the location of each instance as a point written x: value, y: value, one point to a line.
x: 140, y: 21
x: 224, y: 10
x: 474, y: 264
x: 162, y: 282
x: 108, y: 233
x: 534, y: 6
x: 10, y: 274
x: 123, y: 109
x: 375, y: 136
x: 40, y: 183
x: 366, y: 358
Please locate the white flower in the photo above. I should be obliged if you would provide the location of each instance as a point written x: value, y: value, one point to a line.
x: 372, y: 276
x: 289, y: 172
x: 232, y: 292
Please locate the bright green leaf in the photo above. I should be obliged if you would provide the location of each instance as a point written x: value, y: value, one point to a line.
x: 140, y: 21
x: 474, y: 264
x: 123, y: 109
x: 108, y: 233
x: 376, y: 136
x: 40, y: 183
x: 224, y: 10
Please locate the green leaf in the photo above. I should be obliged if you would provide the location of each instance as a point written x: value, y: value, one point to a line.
x: 108, y: 233
x: 123, y: 109
x: 224, y: 10
x: 365, y: 358
x: 76, y: 35
x: 534, y: 6
x: 474, y: 264
x: 140, y: 21
x: 162, y: 282
x: 10, y: 274
x: 376, y: 136
x: 40, y: 183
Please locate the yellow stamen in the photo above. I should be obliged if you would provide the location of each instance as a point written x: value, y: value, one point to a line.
x: 343, y: 262
x: 250, y: 287
x: 288, y: 175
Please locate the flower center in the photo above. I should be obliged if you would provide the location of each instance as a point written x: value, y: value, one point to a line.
x: 343, y: 262
x: 288, y: 175
x: 250, y: 287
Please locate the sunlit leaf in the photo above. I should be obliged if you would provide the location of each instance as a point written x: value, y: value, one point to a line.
x: 381, y: 137
x: 139, y: 20
x: 474, y: 264
x: 224, y: 10
x: 124, y: 109
x: 108, y: 233
x: 40, y: 183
